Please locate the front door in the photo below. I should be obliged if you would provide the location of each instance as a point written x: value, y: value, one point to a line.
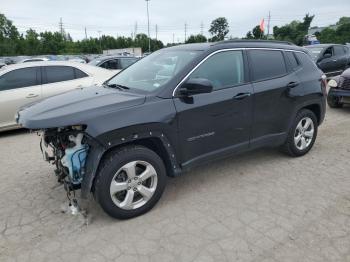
x: 217, y: 122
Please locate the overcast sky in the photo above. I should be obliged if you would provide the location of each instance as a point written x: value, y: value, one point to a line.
x: 117, y: 17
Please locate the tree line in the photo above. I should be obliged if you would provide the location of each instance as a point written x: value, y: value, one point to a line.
x: 34, y: 43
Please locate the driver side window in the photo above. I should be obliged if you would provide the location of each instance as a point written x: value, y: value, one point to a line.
x: 223, y: 70
x: 328, y: 51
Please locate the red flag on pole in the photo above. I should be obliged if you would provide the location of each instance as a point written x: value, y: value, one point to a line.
x: 262, y: 25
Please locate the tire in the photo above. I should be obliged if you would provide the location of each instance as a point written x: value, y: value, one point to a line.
x: 291, y: 146
x: 117, y: 167
x: 333, y: 101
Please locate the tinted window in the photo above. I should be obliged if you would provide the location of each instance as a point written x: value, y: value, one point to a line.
x: 293, y: 62
x: 124, y: 63
x: 329, y: 50
x: 79, y: 73
x: 59, y: 73
x: 339, y: 50
x: 110, y: 64
x: 267, y: 64
x: 306, y: 62
x: 19, y: 78
x: 224, y: 69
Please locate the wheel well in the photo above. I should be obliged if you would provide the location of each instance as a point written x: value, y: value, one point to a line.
x: 154, y: 144
x: 316, y: 110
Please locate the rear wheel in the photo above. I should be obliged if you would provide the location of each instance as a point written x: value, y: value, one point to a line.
x: 302, y: 134
x: 130, y: 182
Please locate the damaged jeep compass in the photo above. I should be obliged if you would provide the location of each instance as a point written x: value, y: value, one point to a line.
x: 175, y: 109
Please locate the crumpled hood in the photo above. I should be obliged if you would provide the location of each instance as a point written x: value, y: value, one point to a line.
x: 76, y: 107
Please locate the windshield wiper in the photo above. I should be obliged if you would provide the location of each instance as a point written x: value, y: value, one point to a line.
x: 120, y: 87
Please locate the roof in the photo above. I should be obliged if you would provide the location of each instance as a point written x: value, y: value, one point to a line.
x: 238, y: 44
x: 321, y: 45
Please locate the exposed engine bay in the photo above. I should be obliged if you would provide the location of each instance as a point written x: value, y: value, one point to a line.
x: 67, y: 149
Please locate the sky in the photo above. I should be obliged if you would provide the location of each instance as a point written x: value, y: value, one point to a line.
x: 124, y: 18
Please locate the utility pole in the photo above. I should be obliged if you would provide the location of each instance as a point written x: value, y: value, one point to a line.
x: 135, y: 30
x: 156, y: 32
x: 149, y: 38
x: 85, y: 34
x: 173, y: 38
x: 268, y: 24
x: 185, y: 32
x: 202, y: 28
x: 61, y: 27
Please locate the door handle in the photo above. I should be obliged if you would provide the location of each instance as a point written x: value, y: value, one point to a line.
x: 32, y: 95
x: 292, y: 84
x: 241, y: 96
x: 335, y: 60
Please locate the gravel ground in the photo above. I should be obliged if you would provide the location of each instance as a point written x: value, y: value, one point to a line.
x: 260, y: 206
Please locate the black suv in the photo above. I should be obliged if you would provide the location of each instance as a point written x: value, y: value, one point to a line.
x: 177, y: 108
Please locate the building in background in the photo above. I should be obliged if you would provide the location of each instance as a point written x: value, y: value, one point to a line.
x: 133, y: 51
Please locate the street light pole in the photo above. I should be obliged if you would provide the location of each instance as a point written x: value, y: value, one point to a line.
x: 99, y: 36
x: 149, y: 38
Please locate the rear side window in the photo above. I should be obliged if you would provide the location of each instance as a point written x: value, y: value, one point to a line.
x: 59, y: 73
x: 292, y: 60
x: 79, y: 73
x: 306, y: 62
x: 19, y: 78
x: 267, y: 64
x: 225, y: 69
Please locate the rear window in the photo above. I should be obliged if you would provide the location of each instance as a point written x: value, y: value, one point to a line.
x: 306, y: 61
x: 19, y: 78
x: 59, y: 73
x: 266, y: 64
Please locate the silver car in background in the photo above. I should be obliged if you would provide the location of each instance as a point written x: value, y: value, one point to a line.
x: 25, y: 83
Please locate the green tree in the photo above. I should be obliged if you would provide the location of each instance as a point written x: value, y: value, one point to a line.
x: 9, y: 37
x: 295, y: 31
x: 219, y: 29
x: 196, y: 39
x: 32, y: 45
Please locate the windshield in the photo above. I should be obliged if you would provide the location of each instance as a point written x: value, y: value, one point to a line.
x: 315, y: 52
x: 154, y: 71
x: 95, y: 61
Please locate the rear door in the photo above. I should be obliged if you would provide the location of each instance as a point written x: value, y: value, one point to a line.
x: 60, y: 79
x: 219, y: 121
x: 340, y: 56
x: 329, y: 65
x: 18, y: 88
x: 275, y: 93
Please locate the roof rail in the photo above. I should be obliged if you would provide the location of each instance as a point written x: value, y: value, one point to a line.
x: 255, y: 41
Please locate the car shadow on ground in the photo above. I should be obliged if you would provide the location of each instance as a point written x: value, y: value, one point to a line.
x: 15, y: 132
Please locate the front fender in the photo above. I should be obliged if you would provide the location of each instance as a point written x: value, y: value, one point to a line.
x: 118, y: 138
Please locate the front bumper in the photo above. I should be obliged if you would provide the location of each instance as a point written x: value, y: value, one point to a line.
x: 339, y: 92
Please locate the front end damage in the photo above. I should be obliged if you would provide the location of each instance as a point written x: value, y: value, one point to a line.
x: 67, y: 149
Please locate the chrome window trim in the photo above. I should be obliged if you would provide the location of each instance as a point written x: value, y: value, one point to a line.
x: 226, y: 50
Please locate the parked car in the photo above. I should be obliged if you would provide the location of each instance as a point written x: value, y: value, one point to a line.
x: 35, y: 59
x: 332, y: 59
x: 25, y: 83
x: 121, y: 142
x: 116, y: 63
x: 339, y: 92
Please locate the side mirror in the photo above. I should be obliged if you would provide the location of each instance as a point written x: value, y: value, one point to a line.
x: 196, y: 86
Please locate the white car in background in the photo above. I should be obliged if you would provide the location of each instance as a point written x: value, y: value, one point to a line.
x: 25, y: 83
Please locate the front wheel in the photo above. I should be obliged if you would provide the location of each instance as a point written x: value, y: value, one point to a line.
x: 130, y: 182
x: 302, y: 134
